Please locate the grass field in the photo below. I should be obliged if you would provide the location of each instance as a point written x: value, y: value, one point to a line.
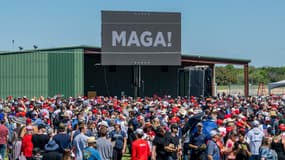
x: 126, y: 157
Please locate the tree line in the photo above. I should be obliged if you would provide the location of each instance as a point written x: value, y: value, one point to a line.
x: 229, y: 74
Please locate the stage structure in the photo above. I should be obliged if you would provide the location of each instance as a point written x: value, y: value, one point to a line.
x: 141, y: 39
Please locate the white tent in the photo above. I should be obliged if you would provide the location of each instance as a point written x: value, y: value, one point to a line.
x: 276, y: 85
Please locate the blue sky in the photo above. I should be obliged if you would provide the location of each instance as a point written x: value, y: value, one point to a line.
x: 246, y: 29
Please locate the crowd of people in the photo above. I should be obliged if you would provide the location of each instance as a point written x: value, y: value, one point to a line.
x: 222, y: 127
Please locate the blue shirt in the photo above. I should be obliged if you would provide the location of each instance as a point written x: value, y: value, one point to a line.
x: 76, y: 133
x: 89, y: 133
x: 80, y: 142
x: 63, y: 140
x: 91, y: 154
x: 118, y: 138
x: 213, y: 150
x: 267, y: 153
x: 134, y: 122
x: 74, y: 122
x: 198, y: 139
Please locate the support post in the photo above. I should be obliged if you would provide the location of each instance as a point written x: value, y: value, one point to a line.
x: 137, y: 81
x: 245, y: 68
x: 213, y: 80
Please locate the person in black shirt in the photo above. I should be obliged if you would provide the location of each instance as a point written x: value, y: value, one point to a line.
x: 241, y: 147
x: 278, y: 144
x: 131, y: 137
x: 40, y: 139
x: 158, y: 151
x: 171, y: 144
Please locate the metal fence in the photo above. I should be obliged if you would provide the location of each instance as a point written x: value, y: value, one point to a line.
x: 253, y: 90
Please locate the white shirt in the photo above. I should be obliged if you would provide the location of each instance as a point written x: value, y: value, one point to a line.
x: 254, y: 138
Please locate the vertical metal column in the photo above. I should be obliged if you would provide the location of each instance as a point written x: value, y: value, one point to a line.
x: 245, y: 68
x: 203, y: 84
x: 137, y: 81
x: 214, y: 92
x: 135, y: 73
x: 189, y: 83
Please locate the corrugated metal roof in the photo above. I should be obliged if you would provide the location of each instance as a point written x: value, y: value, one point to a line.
x: 185, y: 57
x: 51, y: 49
x: 215, y: 60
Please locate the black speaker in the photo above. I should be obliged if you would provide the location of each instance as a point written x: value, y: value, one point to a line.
x: 196, y: 82
x: 208, y: 82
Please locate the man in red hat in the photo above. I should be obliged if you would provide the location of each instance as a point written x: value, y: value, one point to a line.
x: 29, y: 124
x: 27, y: 144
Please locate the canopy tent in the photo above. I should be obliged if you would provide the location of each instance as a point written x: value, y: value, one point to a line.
x: 276, y: 85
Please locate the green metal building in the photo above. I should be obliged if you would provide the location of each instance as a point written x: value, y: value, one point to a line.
x: 45, y: 72
x: 74, y: 71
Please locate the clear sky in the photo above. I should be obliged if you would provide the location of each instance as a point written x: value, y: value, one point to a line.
x: 246, y: 29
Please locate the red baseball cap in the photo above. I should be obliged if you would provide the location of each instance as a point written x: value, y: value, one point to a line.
x: 220, y: 121
x: 229, y: 129
x: 28, y: 121
x: 227, y: 116
x: 282, y: 127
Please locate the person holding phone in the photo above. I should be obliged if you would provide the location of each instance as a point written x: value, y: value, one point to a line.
x: 241, y: 148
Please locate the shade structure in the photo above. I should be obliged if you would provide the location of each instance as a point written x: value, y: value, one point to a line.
x: 276, y: 85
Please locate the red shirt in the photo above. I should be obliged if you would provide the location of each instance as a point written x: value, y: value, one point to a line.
x: 27, y: 145
x: 140, y: 150
x: 3, y: 134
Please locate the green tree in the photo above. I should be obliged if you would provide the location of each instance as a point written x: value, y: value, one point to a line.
x: 226, y: 75
x: 230, y: 75
x: 258, y: 76
x: 221, y: 76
